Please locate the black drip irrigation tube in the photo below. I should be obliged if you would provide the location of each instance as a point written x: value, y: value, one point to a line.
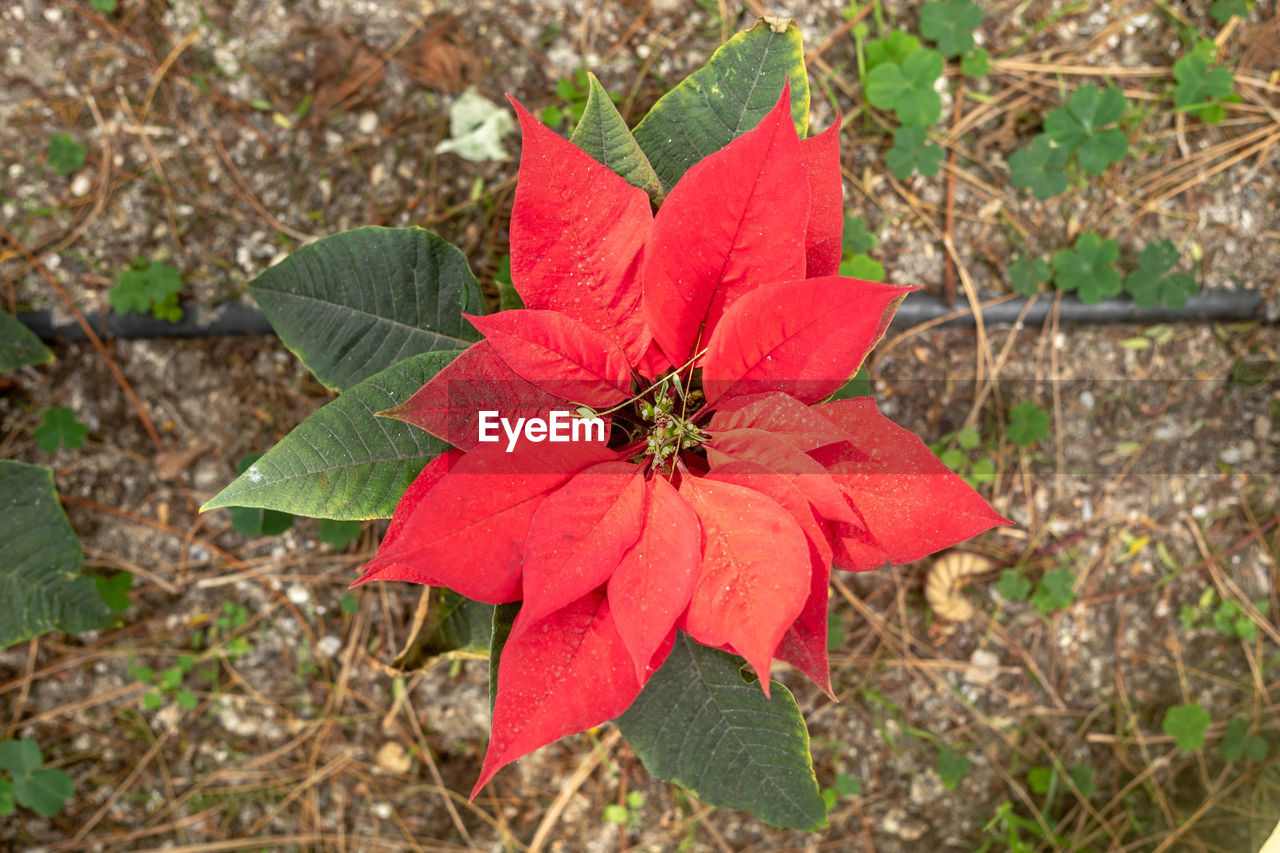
x: 238, y: 318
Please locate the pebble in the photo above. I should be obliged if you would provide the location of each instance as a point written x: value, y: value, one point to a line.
x: 368, y: 122
x: 53, y: 14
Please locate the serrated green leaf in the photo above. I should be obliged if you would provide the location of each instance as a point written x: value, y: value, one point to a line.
x: 855, y: 237
x: 1056, y: 591
x: 913, y: 152
x: 1089, y: 268
x: 699, y: 724
x: 1028, y: 423
x: 863, y: 267
x: 1186, y: 724
x: 603, y: 134
x: 1013, y: 586
x: 1152, y: 283
x: 725, y: 98
x: 19, y: 346
x: 60, y: 429
x: 907, y: 87
x: 1027, y: 274
x: 353, y: 304
x: 1200, y: 88
x: 950, y: 25
x: 952, y: 767
x: 342, y: 462
x: 1039, y: 168
x: 41, y: 585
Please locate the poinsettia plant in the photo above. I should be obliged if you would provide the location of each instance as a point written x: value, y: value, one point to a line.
x: 647, y: 470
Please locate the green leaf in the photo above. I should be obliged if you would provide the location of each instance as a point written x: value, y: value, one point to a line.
x: 19, y: 346
x: 1028, y: 423
x: 847, y: 786
x: 698, y: 723
x: 115, y: 590
x: 913, y: 152
x: 353, y: 304
x: 1089, y: 268
x: 1077, y: 127
x: 1055, y: 591
x: 893, y: 48
x: 104, y: 6
x: 1039, y: 780
x: 1152, y: 283
x: 725, y: 98
x: 1039, y: 168
x: 508, y: 297
x: 1012, y: 586
x: 907, y: 87
x: 66, y: 156
x: 952, y: 767
x: 338, y: 534
x: 342, y: 462
x: 858, y: 386
x: 1027, y: 274
x: 454, y: 623
x: 41, y: 585
x: 186, y: 699
x: 1200, y: 88
x: 1186, y: 724
x: 855, y: 237
x: 148, y: 286
x: 45, y: 792
x: 349, y: 603
x: 604, y: 135
x: 1224, y: 10
x: 21, y: 757
x: 60, y: 429
x: 6, y: 797
x: 950, y: 25
x: 504, y: 616
x: 976, y: 64
x: 861, y: 266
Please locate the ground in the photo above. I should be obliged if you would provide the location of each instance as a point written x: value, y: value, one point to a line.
x: 222, y: 135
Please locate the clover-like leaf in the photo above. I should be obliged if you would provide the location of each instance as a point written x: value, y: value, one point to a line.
x: 894, y: 47
x: 856, y: 238
x: 1238, y: 743
x: 950, y: 25
x: 1186, y: 724
x: 1200, y: 89
x: 1027, y: 274
x: 148, y: 286
x: 1039, y: 168
x: 863, y: 267
x: 66, y: 156
x: 976, y: 63
x: 1224, y: 10
x: 60, y: 429
x: 1089, y: 268
x: 913, y: 152
x: 907, y: 87
x: 1013, y: 585
x: 1077, y: 127
x: 1056, y: 591
x: 1153, y: 283
x: 952, y: 767
x: 1028, y: 423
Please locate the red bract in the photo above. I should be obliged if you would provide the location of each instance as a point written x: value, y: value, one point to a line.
x: 723, y: 490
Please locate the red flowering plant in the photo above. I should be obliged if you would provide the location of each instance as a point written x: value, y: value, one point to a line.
x: 647, y: 473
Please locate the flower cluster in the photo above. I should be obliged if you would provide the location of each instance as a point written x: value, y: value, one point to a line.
x: 707, y: 336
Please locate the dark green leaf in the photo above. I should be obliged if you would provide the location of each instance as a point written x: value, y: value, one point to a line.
x: 6, y: 797
x: 1039, y: 168
x: 45, y: 792
x: 19, y: 346
x: 1186, y: 724
x: 858, y: 386
x: 1153, y: 283
x: 60, y: 429
x: 1089, y: 268
x: 1199, y: 87
x: 907, y: 87
x: 913, y: 152
x: 856, y: 238
x: 1028, y: 423
x: 604, y: 135
x: 342, y: 462
x: 453, y: 623
x: 508, y: 297
x: 66, y: 156
x: 699, y: 724
x: 338, y: 534
x: 349, y: 603
x: 1223, y: 10
x: 950, y: 25
x: 1082, y: 775
x: 21, y: 757
x: 725, y: 98
x: 41, y: 585
x: 1027, y: 274
x: 115, y: 590
x: 353, y: 304
x: 504, y: 616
